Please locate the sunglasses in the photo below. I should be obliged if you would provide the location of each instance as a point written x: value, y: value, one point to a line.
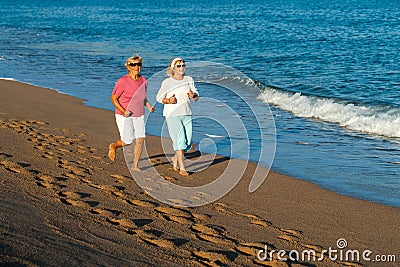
x: 180, y: 65
x: 135, y: 64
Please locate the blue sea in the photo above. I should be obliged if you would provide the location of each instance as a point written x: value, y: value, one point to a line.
x: 326, y: 72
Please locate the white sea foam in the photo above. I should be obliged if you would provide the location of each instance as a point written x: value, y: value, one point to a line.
x: 366, y: 119
x: 214, y: 136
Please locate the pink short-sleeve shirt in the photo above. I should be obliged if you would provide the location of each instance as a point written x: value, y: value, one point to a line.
x: 131, y: 94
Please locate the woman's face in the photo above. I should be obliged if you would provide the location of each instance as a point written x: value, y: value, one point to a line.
x: 135, y: 66
x: 179, y: 68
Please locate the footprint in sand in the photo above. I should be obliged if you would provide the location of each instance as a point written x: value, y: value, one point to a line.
x: 196, y: 198
x: 142, y: 222
x: 5, y: 156
x: 73, y: 195
x: 45, y: 185
x: 252, y: 248
x: 177, y: 219
x: 65, y: 166
x: 201, y: 217
x: 174, y: 212
x: 262, y: 223
x: 176, y: 215
x: 45, y: 181
x: 128, y: 223
x: 85, y: 181
x: 47, y: 155
x: 178, y: 202
x: 162, y: 243
x: 29, y: 122
x: 70, y: 175
x: 79, y: 203
x: 152, y: 234
x: 288, y: 238
x: 45, y: 135
x: 63, y: 161
x: 142, y: 203
x: 119, y: 177
x: 292, y: 232
x: 214, y: 234
x: 123, y: 222
x: 63, y: 151
x: 154, y: 237
x: 81, y: 171
x: 216, y: 257
x: 147, y: 189
x: 222, y: 241
x: 107, y: 188
x: 119, y: 194
x: 251, y: 216
x: 169, y: 178
x: 82, y: 149
x: 201, y: 228
x: 75, y: 199
x: 17, y: 167
x: 155, y: 161
x: 222, y: 208
x: 255, y: 219
x: 248, y: 251
x: 95, y: 168
x: 106, y: 212
x: 75, y: 170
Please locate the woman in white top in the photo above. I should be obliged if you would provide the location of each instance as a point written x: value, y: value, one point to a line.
x: 175, y: 93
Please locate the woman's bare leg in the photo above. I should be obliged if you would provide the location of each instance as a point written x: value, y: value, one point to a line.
x: 136, y: 153
x: 179, y: 156
x: 113, y: 147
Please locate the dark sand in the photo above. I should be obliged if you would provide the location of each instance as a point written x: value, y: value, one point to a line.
x: 64, y: 203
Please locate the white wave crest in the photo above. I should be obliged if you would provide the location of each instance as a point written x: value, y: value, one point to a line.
x: 365, y: 119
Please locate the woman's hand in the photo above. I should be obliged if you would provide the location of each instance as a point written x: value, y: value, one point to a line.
x: 192, y: 95
x: 172, y: 99
x: 151, y: 108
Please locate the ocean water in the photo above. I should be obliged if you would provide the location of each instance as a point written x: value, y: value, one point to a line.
x: 327, y: 72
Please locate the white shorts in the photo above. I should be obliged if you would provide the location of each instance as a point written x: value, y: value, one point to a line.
x: 130, y: 128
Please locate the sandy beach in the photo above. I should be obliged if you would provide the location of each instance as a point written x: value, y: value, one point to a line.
x: 64, y: 203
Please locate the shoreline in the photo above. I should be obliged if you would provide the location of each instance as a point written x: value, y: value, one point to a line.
x: 83, y: 101
x: 60, y: 168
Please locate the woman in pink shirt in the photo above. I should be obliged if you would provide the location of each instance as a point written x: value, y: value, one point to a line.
x: 129, y: 98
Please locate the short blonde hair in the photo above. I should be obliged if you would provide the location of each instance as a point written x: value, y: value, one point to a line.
x: 172, y: 63
x: 131, y: 59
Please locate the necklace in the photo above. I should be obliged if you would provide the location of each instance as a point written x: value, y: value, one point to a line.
x: 134, y: 77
